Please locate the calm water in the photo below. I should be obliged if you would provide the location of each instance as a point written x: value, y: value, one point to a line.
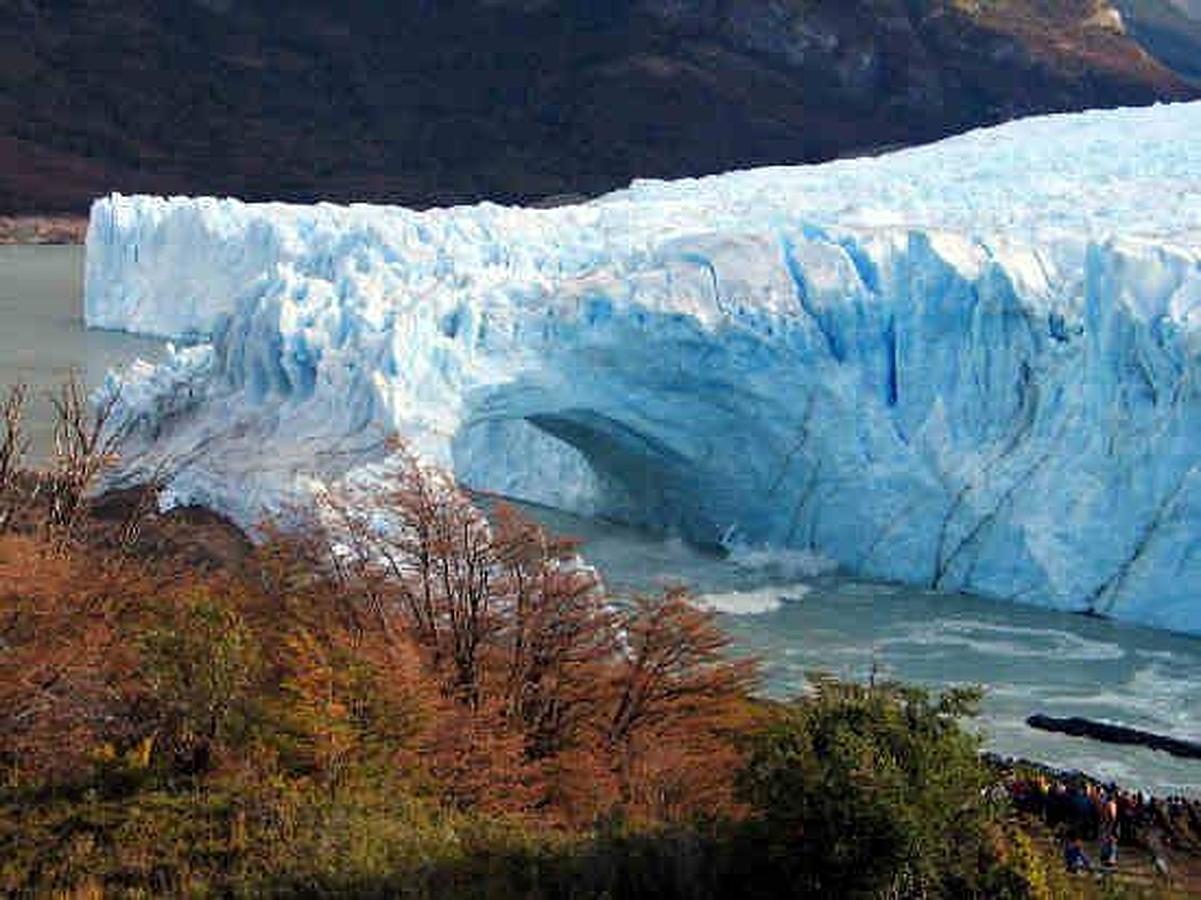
x: 42, y: 337
x: 1029, y: 660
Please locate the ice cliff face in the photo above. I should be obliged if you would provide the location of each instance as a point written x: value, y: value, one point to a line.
x: 971, y: 365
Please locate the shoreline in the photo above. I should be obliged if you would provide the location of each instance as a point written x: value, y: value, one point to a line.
x: 35, y: 230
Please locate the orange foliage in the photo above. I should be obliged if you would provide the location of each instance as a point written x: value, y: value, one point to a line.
x: 677, y: 700
x: 558, y: 641
x: 481, y: 659
x: 65, y: 664
x: 560, y: 706
x: 478, y: 763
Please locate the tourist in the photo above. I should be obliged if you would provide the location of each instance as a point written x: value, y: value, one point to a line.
x: 1109, y: 850
x: 1074, y: 857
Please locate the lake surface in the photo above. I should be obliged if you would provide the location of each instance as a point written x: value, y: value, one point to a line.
x: 776, y: 606
x: 42, y: 337
x: 1028, y: 659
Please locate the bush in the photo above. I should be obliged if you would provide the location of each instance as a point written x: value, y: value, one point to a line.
x: 199, y: 663
x: 867, y: 790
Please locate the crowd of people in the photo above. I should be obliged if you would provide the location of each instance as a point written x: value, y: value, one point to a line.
x: 1083, y: 811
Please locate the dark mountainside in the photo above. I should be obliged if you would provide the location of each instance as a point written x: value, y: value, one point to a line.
x: 1169, y: 29
x: 423, y: 102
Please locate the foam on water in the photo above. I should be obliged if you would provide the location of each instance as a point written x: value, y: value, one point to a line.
x: 755, y: 602
x: 779, y: 563
x: 955, y: 635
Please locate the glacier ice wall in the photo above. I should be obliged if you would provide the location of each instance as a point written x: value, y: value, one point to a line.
x: 972, y: 365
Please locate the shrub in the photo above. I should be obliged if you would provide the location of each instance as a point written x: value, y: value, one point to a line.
x: 200, y: 662
x: 863, y: 790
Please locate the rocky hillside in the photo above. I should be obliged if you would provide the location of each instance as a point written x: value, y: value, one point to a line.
x: 1170, y: 30
x: 438, y: 101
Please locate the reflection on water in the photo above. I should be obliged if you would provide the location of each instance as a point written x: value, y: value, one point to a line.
x: 42, y: 337
x: 1028, y: 659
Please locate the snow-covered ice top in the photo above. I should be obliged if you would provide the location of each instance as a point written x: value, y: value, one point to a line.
x: 971, y: 365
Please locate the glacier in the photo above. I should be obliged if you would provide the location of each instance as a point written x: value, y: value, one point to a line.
x: 971, y: 365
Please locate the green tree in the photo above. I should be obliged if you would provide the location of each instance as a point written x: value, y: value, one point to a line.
x: 868, y: 791
x: 200, y: 664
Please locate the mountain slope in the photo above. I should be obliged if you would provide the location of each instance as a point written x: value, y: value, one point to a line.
x: 422, y: 102
x: 1169, y: 29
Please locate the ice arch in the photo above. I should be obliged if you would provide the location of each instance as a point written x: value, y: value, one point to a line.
x: 590, y: 463
x: 916, y: 406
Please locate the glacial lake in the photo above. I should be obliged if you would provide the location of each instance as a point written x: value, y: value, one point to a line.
x: 1028, y: 659
x: 42, y: 338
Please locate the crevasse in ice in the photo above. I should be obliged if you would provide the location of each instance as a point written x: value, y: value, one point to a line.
x: 972, y: 365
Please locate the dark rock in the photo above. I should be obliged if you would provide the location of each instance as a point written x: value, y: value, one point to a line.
x: 1115, y: 734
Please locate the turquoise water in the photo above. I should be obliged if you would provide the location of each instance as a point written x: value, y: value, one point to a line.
x: 779, y: 607
x: 1028, y: 659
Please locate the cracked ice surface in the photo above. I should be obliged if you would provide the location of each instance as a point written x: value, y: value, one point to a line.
x: 972, y: 365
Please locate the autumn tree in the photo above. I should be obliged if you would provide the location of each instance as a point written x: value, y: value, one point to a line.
x: 419, y: 542
x: 558, y: 638
x: 13, y: 446
x: 68, y: 673
x: 674, y: 687
x: 84, y: 446
x: 337, y: 684
x: 349, y: 695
